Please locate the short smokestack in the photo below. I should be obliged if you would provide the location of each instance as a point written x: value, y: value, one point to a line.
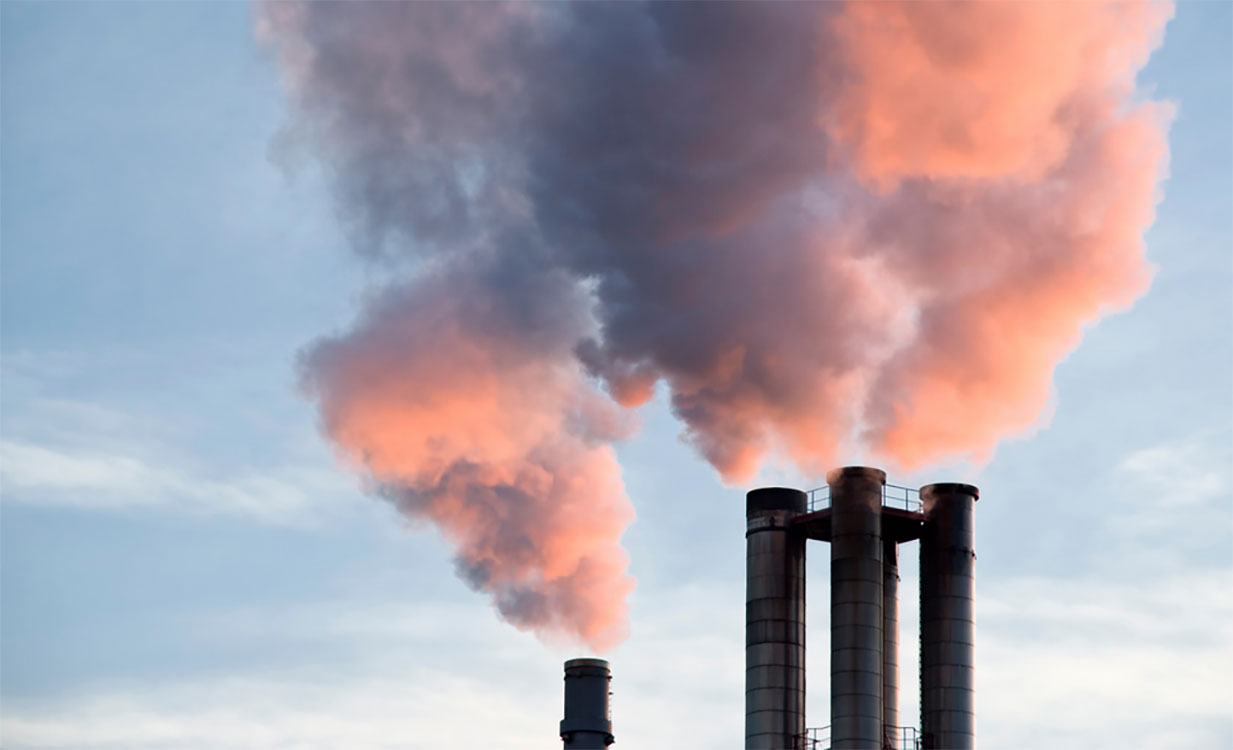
x: 774, y: 619
x: 947, y: 559
x: 588, y: 723
x: 857, y: 577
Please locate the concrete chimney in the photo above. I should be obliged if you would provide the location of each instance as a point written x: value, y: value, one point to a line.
x: 587, y: 724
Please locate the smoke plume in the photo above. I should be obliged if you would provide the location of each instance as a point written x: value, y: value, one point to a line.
x: 823, y: 230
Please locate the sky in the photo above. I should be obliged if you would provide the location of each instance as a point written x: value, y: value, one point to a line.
x: 187, y: 562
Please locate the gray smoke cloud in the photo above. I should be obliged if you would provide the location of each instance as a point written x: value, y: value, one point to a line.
x: 826, y: 229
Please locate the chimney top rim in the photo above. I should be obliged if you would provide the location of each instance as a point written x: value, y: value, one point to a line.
x: 950, y: 488
x: 855, y: 472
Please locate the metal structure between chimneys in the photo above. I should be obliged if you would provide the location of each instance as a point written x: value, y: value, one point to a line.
x: 864, y: 519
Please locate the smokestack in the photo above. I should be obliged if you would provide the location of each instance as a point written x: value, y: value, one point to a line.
x: 587, y: 724
x: 856, y: 607
x: 946, y: 625
x: 774, y: 619
x: 890, y: 642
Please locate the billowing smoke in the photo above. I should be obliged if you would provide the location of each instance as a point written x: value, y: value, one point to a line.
x: 825, y: 230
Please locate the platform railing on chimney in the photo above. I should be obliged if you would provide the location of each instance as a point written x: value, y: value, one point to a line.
x: 819, y: 738
x: 893, y: 496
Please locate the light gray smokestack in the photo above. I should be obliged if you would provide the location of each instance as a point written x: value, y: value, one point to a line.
x: 774, y: 620
x: 587, y: 724
x: 856, y: 607
x: 946, y: 624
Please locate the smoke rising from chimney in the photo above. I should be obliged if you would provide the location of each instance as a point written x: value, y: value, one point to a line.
x: 823, y: 229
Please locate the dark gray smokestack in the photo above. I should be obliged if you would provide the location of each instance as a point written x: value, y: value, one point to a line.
x: 946, y: 624
x: 890, y: 642
x: 864, y: 530
x: 587, y: 724
x: 856, y: 607
x: 774, y: 619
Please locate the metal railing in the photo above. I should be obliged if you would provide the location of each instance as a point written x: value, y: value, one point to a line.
x: 893, y: 496
x: 819, y: 738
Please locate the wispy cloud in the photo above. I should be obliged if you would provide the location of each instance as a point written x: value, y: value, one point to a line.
x: 96, y: 454
x: 1174, y: 500
x: 1079, y: 663
x: 1132, y: 648
x: 1094, y: 663
x: 424, y: 710
x: 1191, y: 471
x: 99, y: 480
x: 408, y: 685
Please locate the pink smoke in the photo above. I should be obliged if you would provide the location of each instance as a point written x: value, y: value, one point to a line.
x: 503, y: 445
x: 822, y: 230
x: 1016, y: 178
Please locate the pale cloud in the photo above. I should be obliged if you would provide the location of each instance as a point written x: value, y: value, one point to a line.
x: 1136, y: 652
x: 378, y: 624
x: 424, y: 710
x: 73, y: 422
x: 31, y: 466
x: 1135, y: 648
x: 686, y: 658
x: 1174, y: 500
x: 1196, y: 609
x: 1095, y: 663
x: 1079, y: 663
x: 88, y: 455
x: 1086, y: 661
x: 422, y: 675
x: 1187, y: 472
x: 99, y: 480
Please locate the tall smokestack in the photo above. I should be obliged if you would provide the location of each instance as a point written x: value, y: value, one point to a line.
x: 890, y: 643
x: 946, y: 626
x: 774, y: 619
x: 587, y: 724
x: 856, y: 607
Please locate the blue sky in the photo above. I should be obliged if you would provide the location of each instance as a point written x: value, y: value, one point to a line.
x: 184, y: 565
